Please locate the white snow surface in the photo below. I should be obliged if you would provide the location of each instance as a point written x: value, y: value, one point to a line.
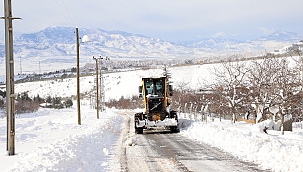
x: 52, y: 140
x: 248, y: 142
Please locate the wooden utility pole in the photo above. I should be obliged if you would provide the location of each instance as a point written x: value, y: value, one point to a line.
x: 97, y: 89
x: 20, y: 66
x: 10, y: 88
x: 78, y: 77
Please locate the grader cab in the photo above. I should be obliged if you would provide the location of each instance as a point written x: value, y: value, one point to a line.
x: 157, y: 114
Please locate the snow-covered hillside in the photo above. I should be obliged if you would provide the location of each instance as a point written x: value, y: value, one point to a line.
x: 61, y: 42
x: 116, y: 84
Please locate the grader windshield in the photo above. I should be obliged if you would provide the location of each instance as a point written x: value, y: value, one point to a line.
x: 154, y: 86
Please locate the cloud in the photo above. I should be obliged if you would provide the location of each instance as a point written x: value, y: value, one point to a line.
x: 267, y: 31
x: 222, y: 34
x: 168, y: 20
x: 219, y: 35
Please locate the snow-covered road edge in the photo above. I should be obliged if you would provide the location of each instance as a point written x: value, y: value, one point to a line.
x: 87, y: 151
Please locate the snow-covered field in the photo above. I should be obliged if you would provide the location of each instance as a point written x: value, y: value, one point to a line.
x: 51, y: 140
x: 116, y: 84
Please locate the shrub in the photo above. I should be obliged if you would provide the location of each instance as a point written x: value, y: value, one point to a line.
x: 24, y: 96
x: 1, y: 103
x: 3, y: 93
x: 126, y: 103
x: 25, y: 106
x: 68, y: 103
x: 49, y: 99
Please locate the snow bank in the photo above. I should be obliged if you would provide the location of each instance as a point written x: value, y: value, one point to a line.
x: 87, y: 150
x: 249, y: 143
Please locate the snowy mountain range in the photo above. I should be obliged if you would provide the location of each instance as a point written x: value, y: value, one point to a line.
x: 61, y: 41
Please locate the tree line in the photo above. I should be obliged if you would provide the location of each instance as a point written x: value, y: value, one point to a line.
x: 26, y: 104
x: 265, y: 88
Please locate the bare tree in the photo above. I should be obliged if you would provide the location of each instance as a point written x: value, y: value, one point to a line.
x: 261, y: 76
x: 286, y: 89
x: 180, y: 96
x: 229, y: 84
x: 273, y: 84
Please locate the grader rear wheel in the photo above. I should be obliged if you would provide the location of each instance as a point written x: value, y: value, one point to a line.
x: 174, y: 129
x: 139, y: 130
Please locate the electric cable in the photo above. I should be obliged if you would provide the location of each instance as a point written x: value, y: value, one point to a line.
x: 70, y: 22
x: 67, y: 13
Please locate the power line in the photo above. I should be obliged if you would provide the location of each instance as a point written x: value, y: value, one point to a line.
x: 67, y: 12
x: 69, y: 21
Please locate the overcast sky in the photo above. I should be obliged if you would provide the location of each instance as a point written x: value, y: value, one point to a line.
x: 170, y: 20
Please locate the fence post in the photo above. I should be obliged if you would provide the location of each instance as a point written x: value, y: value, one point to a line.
x: 202, y: 111
x: 196, y: 112
x: 190, y: 111
x: 205, y: 109
x: 185, y: 110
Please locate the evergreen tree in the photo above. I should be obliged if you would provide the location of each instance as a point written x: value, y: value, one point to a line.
x: 3, y: 93
x: 24, y: 96
x: 48, y: 100
x: 68, y: 103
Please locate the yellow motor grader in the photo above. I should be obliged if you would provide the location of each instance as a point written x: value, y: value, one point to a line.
x: 157, y: 113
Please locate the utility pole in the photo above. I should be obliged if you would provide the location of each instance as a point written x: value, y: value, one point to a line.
x: 20, y: 66
x: 78, y: 77
x: 39, y: 67
x: 102, y: 91
x: 10, y: 88
x: 97, y: 89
